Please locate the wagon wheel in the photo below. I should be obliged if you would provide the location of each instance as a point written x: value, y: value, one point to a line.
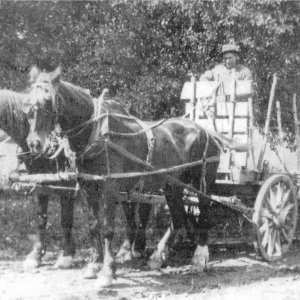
x: 275, y: 217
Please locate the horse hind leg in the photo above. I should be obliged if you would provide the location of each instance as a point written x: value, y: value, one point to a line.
x: 206, y: 222
x: 66, y: 259
x: 125, y: 251
x: 135, y: 241
x: 140, y: 238
x: 34, y: 258
x: 201, y: 255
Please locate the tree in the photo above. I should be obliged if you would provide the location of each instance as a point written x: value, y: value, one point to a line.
x: 143, y: 50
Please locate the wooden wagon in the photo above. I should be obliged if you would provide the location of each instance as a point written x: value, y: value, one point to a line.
x: 225, y: 108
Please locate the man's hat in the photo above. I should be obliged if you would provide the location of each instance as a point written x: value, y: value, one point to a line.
x: 230, y: 47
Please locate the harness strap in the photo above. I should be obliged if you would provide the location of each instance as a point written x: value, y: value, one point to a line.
x: 150, y: 139
x: 203, y: 175
x: 142, y: 124
x: 97, y: 118
x: 150, y: 167
x: 150, y: 143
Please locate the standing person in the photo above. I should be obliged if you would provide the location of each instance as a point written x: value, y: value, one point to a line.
x: 222, y: 72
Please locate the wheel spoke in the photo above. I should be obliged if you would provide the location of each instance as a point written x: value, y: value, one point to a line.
x: 285, y: 198
x: 266, y: 214
x: 278, y: 244
x: 269, y: 205
x: 264, y: 227
x: 271, y: 242
x: 279, y: 194
x: 265, y: 237
x: 287, y: 209
x: 272, y: 192
x: 285, y: 235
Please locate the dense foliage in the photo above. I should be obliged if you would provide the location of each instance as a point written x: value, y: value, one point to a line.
x: 143, y: 51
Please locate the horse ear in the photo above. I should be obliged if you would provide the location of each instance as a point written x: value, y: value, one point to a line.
x: 102, y: 96
x: 56, y: 74
x: 34, y: 73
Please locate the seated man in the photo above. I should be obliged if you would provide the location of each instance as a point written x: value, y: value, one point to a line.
x: 236, y: 130
x: 223, y: 72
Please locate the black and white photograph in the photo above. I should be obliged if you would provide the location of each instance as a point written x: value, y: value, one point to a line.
x: 149, y: 149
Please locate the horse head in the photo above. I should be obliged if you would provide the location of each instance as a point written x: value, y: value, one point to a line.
x: 52, y: 102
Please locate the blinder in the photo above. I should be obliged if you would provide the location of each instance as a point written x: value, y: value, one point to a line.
x: 40, y: 106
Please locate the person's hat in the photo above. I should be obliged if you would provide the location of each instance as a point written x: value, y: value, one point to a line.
x: 230, y: 47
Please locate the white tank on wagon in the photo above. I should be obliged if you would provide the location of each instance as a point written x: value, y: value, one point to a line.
x: 225, y: 107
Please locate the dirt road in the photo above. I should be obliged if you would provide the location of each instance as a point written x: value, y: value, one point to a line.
x: 232, y: 275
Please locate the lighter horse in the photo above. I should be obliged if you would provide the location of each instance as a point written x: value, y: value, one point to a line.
x: 14, y: 122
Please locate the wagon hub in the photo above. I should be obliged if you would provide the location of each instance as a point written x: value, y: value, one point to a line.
x: 280, y: 220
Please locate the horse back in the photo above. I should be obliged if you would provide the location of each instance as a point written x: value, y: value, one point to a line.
x: 179, y: 141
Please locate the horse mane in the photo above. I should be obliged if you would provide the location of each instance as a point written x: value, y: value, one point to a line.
x: 75, y: 95
x: 12, y: 119
x: 114, y: 106
x: 77, y: 92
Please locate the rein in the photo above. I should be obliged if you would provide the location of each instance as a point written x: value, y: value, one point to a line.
x: 83, y: 125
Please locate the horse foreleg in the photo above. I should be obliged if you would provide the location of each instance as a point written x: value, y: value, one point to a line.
x: 125, y: 254
x: 66, y: 259
x: 140, y: 238
x: 110, y: 197
x: 174, y: 200
x: 96, y: 260
x: 34, y: 258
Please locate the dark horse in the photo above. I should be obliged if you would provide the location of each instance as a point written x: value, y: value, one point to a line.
x: 118, y: 143
x: 14, y: 122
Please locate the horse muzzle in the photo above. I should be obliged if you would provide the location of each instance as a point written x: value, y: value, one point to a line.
x: 35, y: 146
x: 37, y: 143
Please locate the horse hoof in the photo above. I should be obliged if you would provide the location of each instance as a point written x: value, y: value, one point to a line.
x: 136, y: 254
x: 103, y: 281
x: 64, y: 262
x: 158, y: 258
x: 91, y: 270
x: 124, y: 256
x: 30, y: 264
x: 200, y: 259
x: 154, y: 264
x: 198, y: 264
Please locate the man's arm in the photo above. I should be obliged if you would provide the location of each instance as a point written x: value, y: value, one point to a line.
x: 246, y: 74
x: 207, y: 76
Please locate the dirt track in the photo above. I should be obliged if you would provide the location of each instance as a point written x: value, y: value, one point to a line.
x: 232, y: 274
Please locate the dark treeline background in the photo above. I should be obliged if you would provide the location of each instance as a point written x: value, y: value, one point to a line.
x: 143, y: 51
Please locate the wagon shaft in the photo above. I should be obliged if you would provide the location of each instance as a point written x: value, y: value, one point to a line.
x: 38, y: 183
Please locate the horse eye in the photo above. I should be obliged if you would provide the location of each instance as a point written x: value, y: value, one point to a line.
x: 26, y: 106
x: 30, y: 114
x: 48, y: 104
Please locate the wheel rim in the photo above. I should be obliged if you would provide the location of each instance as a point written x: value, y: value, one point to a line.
x: 275, y: 217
